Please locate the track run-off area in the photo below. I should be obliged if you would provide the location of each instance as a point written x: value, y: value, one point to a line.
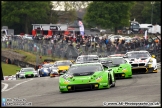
x: 44, y: 91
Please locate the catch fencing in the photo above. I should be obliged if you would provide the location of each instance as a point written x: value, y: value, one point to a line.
x: 62, y: 49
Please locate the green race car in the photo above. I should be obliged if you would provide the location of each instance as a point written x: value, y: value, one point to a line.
x: 28, y: 72
x: 86, y: 76
x: 119, y: 65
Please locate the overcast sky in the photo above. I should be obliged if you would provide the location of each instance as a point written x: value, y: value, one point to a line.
x: 60, y: 7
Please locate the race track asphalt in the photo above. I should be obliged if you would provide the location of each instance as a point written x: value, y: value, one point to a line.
x: 45, y: 92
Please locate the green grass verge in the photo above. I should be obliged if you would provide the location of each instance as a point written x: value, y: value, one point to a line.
x: 31, y: 58
x: 9, y: 69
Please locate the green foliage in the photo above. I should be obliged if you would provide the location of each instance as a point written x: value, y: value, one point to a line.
x: 108, y: 14
x: 136, y: 11
x: 142, y: 12
x: 152, y: 10
x: 9, y: 69
x: 24, y: 12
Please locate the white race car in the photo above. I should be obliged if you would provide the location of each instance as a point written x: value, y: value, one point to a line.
x: 26, y: 73
x: 141, y: 61
x: 87, y: 58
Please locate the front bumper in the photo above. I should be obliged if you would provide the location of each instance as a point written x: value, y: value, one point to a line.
x: 44, y: 74
x: 54, y: 75
x: 122, y: 75
x: 139, y: 70
x: 31, y: 75
x: 59, y: 71
x: 28, y: 76
x: 78, y: 87
x: 143, y: 69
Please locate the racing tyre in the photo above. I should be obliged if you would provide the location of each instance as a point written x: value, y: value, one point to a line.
x: 40, y: 74
x: 109, y: 84
x: 112, y: 83
x: 114, y: 78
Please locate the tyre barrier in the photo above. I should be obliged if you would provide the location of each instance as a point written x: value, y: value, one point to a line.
x: 10, y: 77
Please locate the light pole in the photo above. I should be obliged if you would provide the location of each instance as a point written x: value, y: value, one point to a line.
x: 152, y: 3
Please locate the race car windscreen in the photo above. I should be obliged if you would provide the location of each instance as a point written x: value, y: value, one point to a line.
x: 84, y: 69
x: 103, y: 60
x: 87, y: 59
x: 28, y: 69
x: 64, y: 63
x: 116, y: 61
x: 138, y: 55
x: 46, y: 65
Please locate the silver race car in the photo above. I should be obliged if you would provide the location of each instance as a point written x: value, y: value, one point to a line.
x: 141, y: 61
x: 87, y: 59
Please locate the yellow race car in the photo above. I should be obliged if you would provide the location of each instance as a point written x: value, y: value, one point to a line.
x: 62, y: 66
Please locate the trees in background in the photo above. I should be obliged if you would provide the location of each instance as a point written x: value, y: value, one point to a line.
x: 142, y: 11
x: 19, y: 15
x: 108, y: 14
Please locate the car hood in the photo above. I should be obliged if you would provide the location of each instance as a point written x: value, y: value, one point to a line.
x: 139, y: 60
x: 29, y: 72
x: 63, y: 67
x: 96, y: 76
x: 120, y: 68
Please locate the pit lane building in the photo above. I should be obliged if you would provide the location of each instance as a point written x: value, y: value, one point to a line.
x: 47, y: 29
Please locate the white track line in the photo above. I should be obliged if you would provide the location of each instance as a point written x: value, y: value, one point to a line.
x: 5, y: 88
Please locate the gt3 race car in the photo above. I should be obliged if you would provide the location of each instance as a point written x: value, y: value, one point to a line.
x: 87, y: 59
x: 121, y: 67
x: 26, y: 73
x: 62, y: 65
x: 54, y: 72
x: 45, y: 70
x: 141, y: 61
x: 86, y: 76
